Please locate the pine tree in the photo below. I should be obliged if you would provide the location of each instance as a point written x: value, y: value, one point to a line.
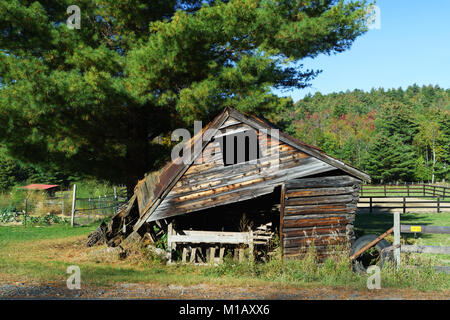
x: 94, y: 100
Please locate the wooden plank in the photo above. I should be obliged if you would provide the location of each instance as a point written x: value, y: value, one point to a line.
x: 406, y: 228
x: 321, y: 200
x: 212, y: 254
x: 296, y: 193
x: 193, y: 254
x: 425, y: 249
x: 230, y: 122
x: 317, y: 241
x: 308, y: 232
x: 282, y: 205
x: 213, y: 237
x: 397, y: 238
x: 297, y: 210
x: 322, y: 182
x: 325, y: 221
x: 372, y: 243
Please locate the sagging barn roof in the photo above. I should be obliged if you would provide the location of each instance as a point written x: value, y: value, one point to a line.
x: 153, y: 190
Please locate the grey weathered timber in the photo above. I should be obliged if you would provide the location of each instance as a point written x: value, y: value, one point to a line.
x: 406, y: 228
x: 74, y: 199
x: 425, y: 249
x: 397, y: 238
x: 320, y: 196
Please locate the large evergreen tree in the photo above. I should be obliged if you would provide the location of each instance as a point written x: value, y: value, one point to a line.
x: 93, y: 100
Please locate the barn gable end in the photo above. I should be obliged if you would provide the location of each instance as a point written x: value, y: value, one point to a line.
x: 209, y: 183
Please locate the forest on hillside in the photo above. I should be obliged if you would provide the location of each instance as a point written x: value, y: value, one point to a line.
x: 394, y: 135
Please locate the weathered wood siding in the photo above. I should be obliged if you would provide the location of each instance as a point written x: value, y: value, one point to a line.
x: 208, y: 183
x: 318, y: 211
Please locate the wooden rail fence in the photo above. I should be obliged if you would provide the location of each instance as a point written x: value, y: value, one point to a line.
x: 405, y: 203
x: 407, y: 190
x: 405, y: 228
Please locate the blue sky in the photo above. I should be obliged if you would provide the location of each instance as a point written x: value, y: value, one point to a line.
x: 412, y: 46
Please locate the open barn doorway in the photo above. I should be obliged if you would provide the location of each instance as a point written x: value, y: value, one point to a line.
x: 246, y: 229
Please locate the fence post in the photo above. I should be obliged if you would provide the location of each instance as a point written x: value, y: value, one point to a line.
x: 26, y: 210
x: 62, y: 204
x: 385, y: 190
x: 424, y: 189
x: 407, y: 188
x: 362, y: 191
x: 439, y: 204
x: 105, y: 205
x: 74, y: 198
x: 434, y: 191
x: 370, y: 209
x: 397, y: 238
x: 404, y: 205
x: 115, y: 200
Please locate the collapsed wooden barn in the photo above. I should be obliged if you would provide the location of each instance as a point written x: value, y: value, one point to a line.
x: 222, y: 198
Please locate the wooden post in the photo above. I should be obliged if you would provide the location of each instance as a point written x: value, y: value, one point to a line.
x: 407, y: 188
x: 115, y: 200
x: 212, y: 254
x: 26, y: 210
x: 193, y: 253
x: 241, y: 254
x: 362, y: 191
x: 385, y: 190
x: 183, y: 257
x: 74, y: 199
x: 397, y: 238
x: 221, y: 252
x: 236, y: 253
x: 169, y: 241
x: 434, y: 191
x: 404, y: 205
x: 438, y: 204
x: 424, y: 189
x: 250, y: 246
x: 370, y: 208
x: 282, y: 204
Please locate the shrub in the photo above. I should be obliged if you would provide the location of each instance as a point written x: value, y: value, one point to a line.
x: 9, y: 214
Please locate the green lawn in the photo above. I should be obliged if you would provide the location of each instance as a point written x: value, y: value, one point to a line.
x: 17, y: 234
x: 43, y: 253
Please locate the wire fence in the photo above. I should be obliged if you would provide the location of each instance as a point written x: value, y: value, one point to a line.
x: 89, y: 210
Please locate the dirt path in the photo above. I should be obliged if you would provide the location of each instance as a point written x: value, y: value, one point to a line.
x: 206, y: 291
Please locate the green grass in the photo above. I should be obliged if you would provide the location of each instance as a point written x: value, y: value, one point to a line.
x: 44, y: 253
x: 16, y: 234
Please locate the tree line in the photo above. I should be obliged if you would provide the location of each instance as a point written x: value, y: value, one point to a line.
x: 393, y: 135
